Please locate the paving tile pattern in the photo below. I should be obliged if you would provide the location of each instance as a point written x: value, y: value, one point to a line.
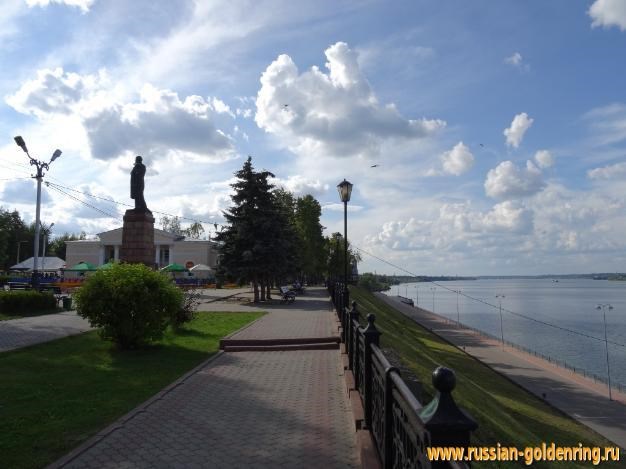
x: 16, y: 333
x: 242, y: 410
x: 291, y: 323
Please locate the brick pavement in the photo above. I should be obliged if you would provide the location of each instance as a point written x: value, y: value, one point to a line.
x: 17, y: 333
x: 243, y: 409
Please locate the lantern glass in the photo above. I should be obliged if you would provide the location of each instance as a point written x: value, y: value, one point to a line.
x: 345, y: 190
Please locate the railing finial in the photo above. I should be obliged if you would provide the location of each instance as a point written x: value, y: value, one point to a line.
x: 444, y: 379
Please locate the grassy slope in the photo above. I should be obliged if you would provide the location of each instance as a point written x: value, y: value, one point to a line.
x: 506, y: 413
x: 56, y: 395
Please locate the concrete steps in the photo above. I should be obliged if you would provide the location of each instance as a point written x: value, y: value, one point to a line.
x: 273, y: 345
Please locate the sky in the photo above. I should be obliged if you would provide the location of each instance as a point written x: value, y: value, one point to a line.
x: 482, y: 138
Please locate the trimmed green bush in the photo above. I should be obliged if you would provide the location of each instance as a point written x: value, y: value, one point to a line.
x: 130, y: 303
x: 26, y: 302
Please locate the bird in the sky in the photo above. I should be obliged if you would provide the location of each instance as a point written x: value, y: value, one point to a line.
x: 374, y: 166
x: 482, y: 145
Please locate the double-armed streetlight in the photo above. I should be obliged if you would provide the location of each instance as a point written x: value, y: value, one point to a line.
x: 345, y: 190
x: 499, y: 297
x: 604, y: 307
x: 41, y: 167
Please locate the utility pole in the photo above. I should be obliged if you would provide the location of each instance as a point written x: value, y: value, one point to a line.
x: 501, y: 326
x: 41, y: 166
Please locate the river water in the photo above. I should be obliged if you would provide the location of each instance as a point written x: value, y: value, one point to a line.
x: 566, y: 304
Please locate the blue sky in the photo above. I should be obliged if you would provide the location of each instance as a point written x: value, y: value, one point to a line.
x: 499, y: 128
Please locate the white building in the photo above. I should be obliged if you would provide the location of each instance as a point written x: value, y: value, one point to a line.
x: 168, y: 248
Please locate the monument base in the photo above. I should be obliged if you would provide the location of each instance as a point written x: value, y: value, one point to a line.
x: 138, y: 238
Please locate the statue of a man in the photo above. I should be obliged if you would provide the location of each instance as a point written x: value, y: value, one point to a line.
x: 136, y: 184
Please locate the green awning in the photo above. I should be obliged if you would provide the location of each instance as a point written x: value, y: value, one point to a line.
x: 106, y: 266
x: 174, y: 268
x: 82, y: 266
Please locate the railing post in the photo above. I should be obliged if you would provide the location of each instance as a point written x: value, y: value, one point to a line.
x: 388, y: 462
x: 352, y: 315
x: 447, y: 424
x: 372, y: 337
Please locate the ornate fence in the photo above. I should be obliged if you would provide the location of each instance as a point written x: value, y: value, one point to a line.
x: 401, y: 427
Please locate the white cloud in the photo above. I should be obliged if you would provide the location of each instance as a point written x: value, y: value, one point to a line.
x: 507, y: 181
x: 608, y: 13
x: 608, y: 123
x: 300, y: 185
x: 615, y: 171
x: 458, y: 160
x: 456, y: 227
x: 516, y: 60
x: 159, y: 124
x: 515, y: 133
x: 340, y: 208
x: 84, y: 5
x: 334, y: 113
x: 508, y: 216
x: 544, y: 159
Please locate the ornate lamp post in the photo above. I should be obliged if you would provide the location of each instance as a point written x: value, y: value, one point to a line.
x: 499, y: 297
x: 41, y: 166
x: 345, y: 190
x: 604, y: 307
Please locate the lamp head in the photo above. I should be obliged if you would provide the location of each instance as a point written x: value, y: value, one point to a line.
x: 345, y: 190
x: 55, y: 155
x: 21, y: 143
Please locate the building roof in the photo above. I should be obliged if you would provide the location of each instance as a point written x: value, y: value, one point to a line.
x: 49, y: 264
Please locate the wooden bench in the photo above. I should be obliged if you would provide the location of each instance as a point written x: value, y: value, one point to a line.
x: 18, y: 285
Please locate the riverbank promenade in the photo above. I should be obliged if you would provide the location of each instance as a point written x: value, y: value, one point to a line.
x: 573, y: 394
x: 265, y: 407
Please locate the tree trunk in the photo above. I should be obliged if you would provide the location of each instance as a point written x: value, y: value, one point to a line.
x: 255, y: 286
x: 269, y: 289
x: 262, y: 290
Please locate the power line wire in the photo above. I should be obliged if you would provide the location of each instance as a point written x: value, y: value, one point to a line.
x: 538, y: 321
x: 85, y: 203
x: 129, y: 205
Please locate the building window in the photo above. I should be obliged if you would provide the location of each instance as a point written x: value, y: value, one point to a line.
x: 164, y: 256
x: 109, y: 253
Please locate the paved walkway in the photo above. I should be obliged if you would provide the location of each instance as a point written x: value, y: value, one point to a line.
x: 242, y: 409
x: 573, y: 394
x: 17, y: 333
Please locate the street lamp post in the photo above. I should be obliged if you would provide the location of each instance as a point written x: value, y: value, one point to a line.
x: 345, y: 190
x: 604, y: 307
x: 458, y: 315
x: 499, y: 297
x: 433, y: 290
x: 417, y: 296
x: 41, y: 166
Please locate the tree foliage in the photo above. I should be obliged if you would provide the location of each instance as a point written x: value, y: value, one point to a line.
x: 311, y: 240
x: 258, y: 244
x: 335, y: 255
x: 14, y: 232
x: 173, y: 225
x: 130, y: 303
x: 58, y: 246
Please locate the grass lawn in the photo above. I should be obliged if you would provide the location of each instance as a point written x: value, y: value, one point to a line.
x: 56, y: 395
x: 505, y: 412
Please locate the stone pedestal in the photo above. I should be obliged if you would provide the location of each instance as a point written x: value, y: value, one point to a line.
x: 138, y: 238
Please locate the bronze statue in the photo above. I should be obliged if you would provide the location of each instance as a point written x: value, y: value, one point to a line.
x: 137, y: 185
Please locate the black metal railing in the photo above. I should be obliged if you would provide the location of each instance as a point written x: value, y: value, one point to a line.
x: 401, y: 427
